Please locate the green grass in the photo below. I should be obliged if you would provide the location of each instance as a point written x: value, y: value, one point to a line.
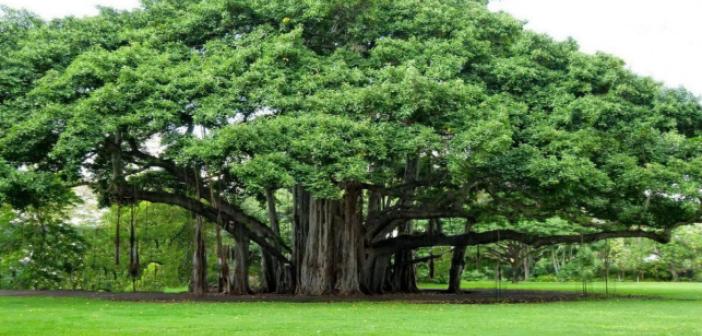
x: 676, y: 310
x: 680, y: 291
x: 175, y: 290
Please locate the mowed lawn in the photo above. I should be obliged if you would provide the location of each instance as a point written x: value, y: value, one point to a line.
x: 669, y: 309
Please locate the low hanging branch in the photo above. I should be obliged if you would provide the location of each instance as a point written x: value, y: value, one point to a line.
x: 235, y: 213
x: 402, y: 242
x: 422, y: 259
x: 231, y: 219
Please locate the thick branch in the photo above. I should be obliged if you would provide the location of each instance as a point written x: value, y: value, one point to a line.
x: 391, y: 245
x: 231, y: 218
x: 381, y: 223
x: 234, y: 212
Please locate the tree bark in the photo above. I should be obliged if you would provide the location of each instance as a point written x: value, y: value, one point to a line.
x: 406, y: 241
x: 349, y: 244
x: 199, y: 276
x: 268, y: 268
x: 117, y: 179
x: 117, y: 234
x: 457, y: 265
x: 434, y: 228
x: 240, y: 276
x: 134, y: 264
x: 228, y: 213
x: 199, y: 281
x: 223, y: 264
x: 277, y: 276
x: 527, y: 261
x: 301, y: 223
x: 317, y: 269
x: 376, y: 269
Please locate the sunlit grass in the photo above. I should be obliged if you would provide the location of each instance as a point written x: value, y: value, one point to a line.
x: 680, y: 290
x: 175, y: 290
x: 674, y: 310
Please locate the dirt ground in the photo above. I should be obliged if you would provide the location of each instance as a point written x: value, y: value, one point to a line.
x: 467, y: 297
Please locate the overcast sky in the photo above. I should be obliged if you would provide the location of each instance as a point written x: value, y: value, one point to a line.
x: 658, y: 38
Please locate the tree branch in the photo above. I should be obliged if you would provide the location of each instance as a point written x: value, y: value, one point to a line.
x: 232, y: 217
x: 403, y: 242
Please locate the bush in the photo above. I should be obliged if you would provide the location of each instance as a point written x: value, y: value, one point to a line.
x: 547, y: 278
x: 474, y: 275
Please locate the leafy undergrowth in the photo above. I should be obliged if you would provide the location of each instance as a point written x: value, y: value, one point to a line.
x: 675, y: 310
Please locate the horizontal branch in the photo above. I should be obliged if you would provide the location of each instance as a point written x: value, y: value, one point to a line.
x: 405, y: 242
x: 422, y: 259
x: 381, y: 223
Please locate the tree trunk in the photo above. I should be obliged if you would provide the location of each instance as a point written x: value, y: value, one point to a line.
x: 269, y: 269
x: 134, y: 264
x: 301, y: 223
x: 457, y: 266
x: 317, y: 268
x: 404, y: 274
x: 117, y: 179
x: 117, y: 233
x: 268, y: 277
x: 223, y: 281
x: 375, y: 273
x: 526, y: 267
x: 199, y: 277
x: 434, y: 228
x: 404, y: 277
x: 349, y: 244
x: 240, y: 277
x: 514, y: 265
x: 375, y: 267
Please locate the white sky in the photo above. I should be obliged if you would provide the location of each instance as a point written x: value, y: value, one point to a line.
x: 50, y: 9
x: 658, y: 38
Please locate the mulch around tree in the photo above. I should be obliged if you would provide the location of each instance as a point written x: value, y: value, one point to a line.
x: 478, y: 296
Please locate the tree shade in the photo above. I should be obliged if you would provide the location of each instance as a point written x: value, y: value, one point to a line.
x: 376, y: 115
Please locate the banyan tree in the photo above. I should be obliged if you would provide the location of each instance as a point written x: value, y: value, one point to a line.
x: 381, y: 119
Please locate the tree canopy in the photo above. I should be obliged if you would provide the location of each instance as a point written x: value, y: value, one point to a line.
x: 377, y: 114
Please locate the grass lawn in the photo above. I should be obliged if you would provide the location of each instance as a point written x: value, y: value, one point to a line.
x: 675, y: 310
x: 667, y: 290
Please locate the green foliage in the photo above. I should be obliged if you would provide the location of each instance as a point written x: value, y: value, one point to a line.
x: 316, y: 92
x: 39, y: 251
x: 164, y: 241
